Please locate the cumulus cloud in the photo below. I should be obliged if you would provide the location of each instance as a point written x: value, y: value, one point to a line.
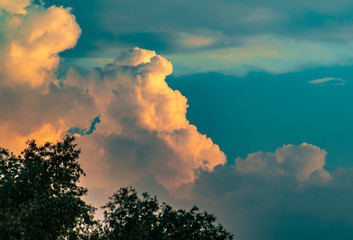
x: 144, y: 129
x: 34, y: 39
x: 35, y: 104
x: 258, y: 207
x: 282, y: 195
x: 300, y: 161
x: 50, y: 114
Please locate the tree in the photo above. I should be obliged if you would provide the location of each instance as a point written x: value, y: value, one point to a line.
x: 39, y: 193
x: 128, y: 217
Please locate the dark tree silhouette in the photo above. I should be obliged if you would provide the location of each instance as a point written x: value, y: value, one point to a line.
x: 39, y: 195
x: 130, y: 218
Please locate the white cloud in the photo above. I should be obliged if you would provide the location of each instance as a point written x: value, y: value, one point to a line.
x: 338, y: 81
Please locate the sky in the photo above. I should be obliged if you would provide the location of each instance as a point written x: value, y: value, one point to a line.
x: 243, y: 108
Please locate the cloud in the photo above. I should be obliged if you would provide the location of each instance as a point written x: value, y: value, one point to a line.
x: 273, y: 36
x: 299, y: 161
x: 263, y: 53
x: 236, y: 20
x: 32, y: 113
x: 338, y: 81
x: 263, y: 199
x: 142, y: 130
x: 144, y: 127
x: 35, y: 103
x: 16, y: 141
x: 33, y: 42
x: 15, y: 6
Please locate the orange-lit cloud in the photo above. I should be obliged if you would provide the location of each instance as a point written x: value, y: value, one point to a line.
x: 144, y: 130
x: 34, y: 39
x: 17, y: 142
x: 33, y: 104
x: 14, y: 6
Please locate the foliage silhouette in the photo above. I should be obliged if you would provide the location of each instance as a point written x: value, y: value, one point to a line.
x: 39, y: 195
x: 130, y: 218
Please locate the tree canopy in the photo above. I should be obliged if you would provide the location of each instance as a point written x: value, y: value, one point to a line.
x: 39, y: 195
x: 40, y: 199
x: 131, y: 218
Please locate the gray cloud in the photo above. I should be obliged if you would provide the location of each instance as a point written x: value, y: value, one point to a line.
x: 298, y: 161
x: 262, y: 206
